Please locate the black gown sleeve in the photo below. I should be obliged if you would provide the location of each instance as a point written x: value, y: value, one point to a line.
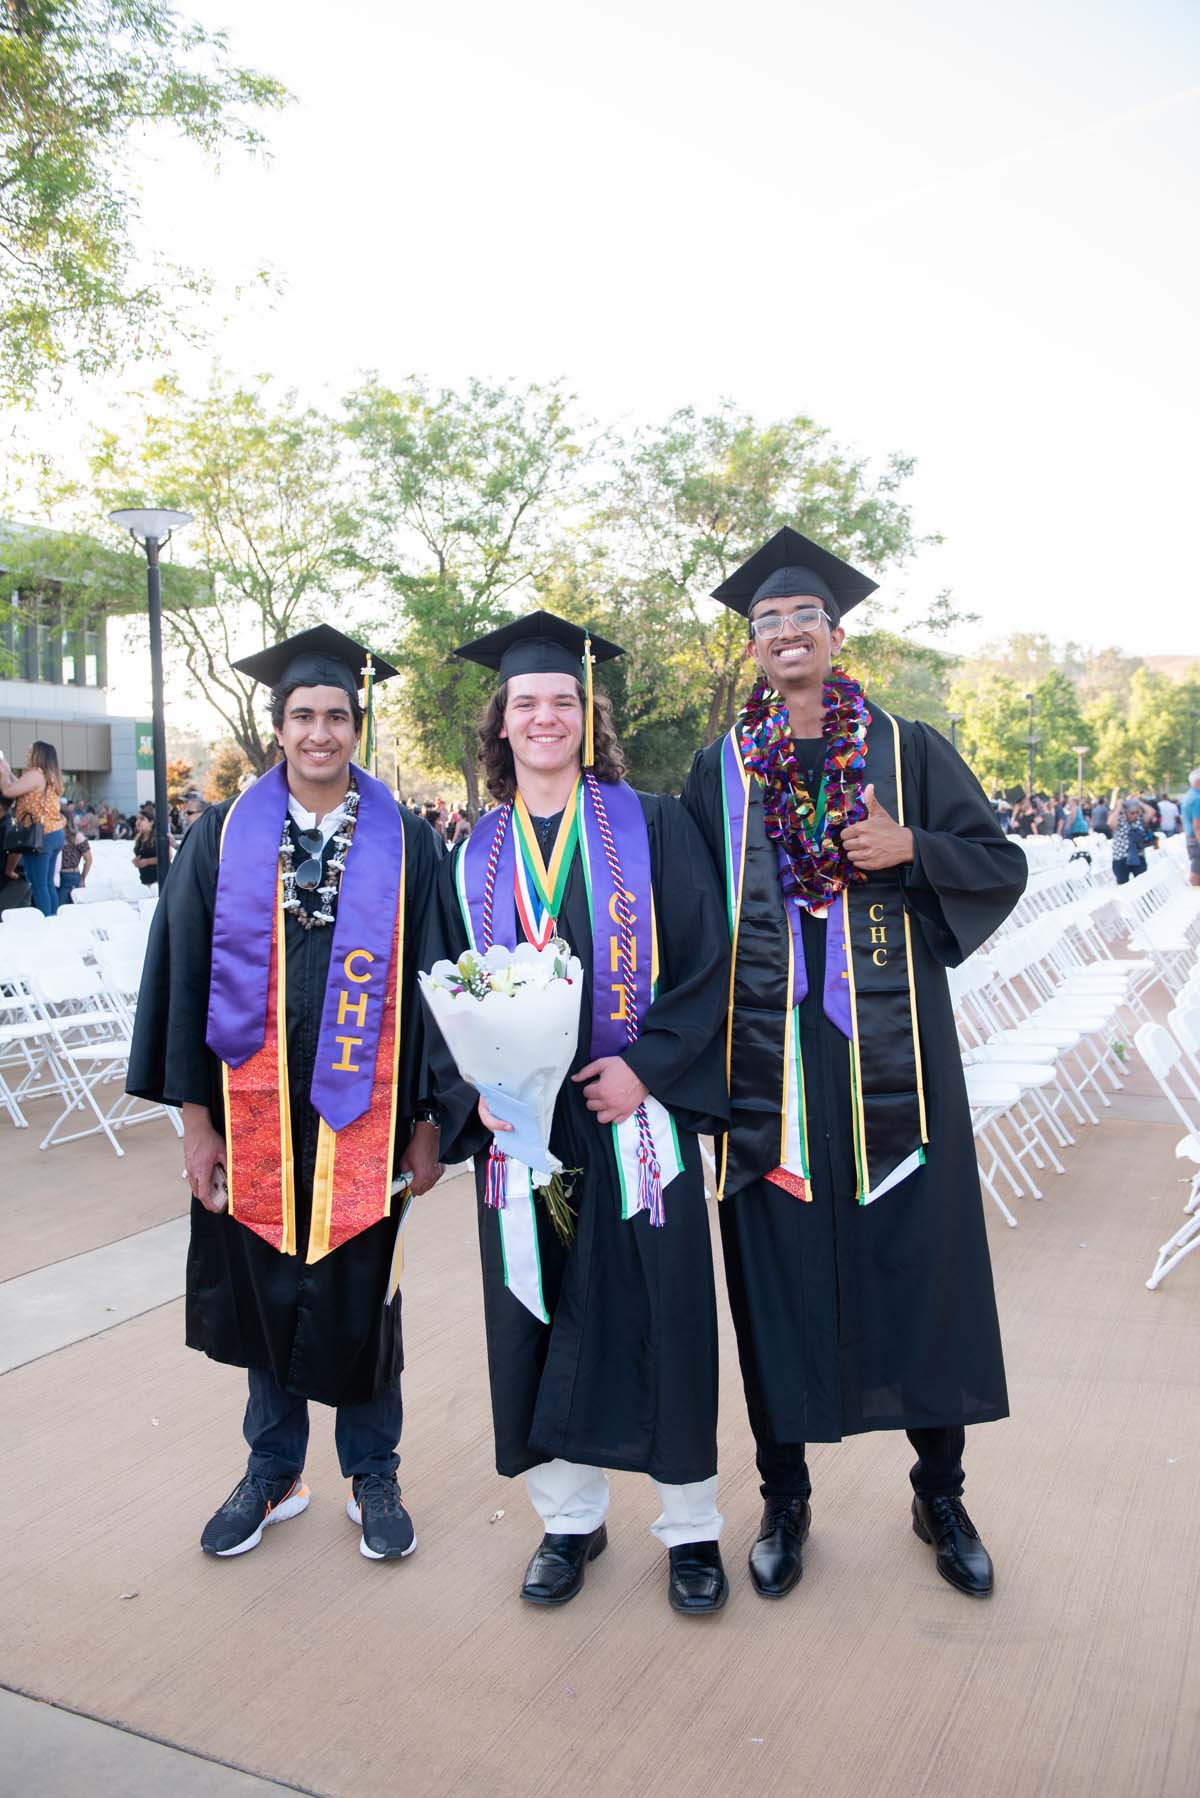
x: 966, y: 875
x: 169, y: 1061
x: 455, y: 1102
x: 424, y: 852
x: 680, y: 1052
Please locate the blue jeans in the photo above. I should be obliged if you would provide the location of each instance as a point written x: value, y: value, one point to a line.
x: 276, y: 1428
x: 68, y: 884
x: 39, y: 872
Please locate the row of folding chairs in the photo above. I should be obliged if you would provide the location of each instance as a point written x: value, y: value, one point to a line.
x: 1043, y: 1013
x: 1171, y: 1052
x: 66, y: 1026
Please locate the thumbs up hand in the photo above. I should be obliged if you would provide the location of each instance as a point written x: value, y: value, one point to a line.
x: 877, y: 841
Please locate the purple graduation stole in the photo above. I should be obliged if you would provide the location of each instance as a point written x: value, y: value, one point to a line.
x: 355, y: 1077
x: 615, y: 844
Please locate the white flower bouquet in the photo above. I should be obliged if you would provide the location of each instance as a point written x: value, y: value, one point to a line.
x: 510, y: 1019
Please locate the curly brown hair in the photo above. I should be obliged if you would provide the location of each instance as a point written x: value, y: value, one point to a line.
x: 499, y: 771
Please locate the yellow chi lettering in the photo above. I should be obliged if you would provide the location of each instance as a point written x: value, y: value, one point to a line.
x: 355, y: 1003
x: 354, y: 955
x: 614, y: 954
x: 620, y: 1014
x: 612, y: 908
x: 345, y: 1065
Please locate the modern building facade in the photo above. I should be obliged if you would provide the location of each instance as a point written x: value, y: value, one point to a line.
x: 54, y: 676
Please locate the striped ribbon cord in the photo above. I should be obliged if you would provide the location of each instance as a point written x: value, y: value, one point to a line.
x: 495, y: 1186
x: 650, y: 1194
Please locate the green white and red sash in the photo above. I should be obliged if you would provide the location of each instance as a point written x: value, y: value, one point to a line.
x: 605, y: 823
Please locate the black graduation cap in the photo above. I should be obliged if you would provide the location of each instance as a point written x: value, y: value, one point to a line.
x: 539, y: 643
x: 320, y: 657
x: 790, y: 566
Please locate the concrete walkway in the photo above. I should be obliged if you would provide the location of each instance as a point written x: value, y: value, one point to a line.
x: 306, y: 1665
x: 58, y: 1754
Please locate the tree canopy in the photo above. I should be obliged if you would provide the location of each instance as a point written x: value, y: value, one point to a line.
x: 81, y: 82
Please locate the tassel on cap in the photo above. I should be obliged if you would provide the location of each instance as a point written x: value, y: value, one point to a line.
x: 366, y: 746
x: 589, y: 723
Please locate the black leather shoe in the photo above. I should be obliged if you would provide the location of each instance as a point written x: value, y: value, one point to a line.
x: 961, y: 1557
x: 696, y: 1580
x: 556, y: 1571
x: 775, y: 1560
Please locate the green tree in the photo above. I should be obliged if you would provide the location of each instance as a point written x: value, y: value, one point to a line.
x: 464, y: 496
x: 227, y: 768
x: 1112, y: 760
x: 81, y: 81
x: 994, y: 729
x: 1155, y: 740
x: 1060, y: 729
x: 691, y: 500
x: 263, y: 478
x: 908, y: 678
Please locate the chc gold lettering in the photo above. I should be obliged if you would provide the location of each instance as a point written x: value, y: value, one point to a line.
x: 348, y: 1003
x: 878, y: 935
x: 879, y: 957
x: 876, y: 914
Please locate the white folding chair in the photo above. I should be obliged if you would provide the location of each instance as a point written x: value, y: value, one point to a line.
x: 19, y: 919
x: 1165, y: 1059
x: 92, y: 1041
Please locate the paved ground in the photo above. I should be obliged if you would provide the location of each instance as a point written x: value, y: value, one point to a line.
x: 308, y: 1666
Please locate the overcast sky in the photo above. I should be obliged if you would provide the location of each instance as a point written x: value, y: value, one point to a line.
x: 965, y: 232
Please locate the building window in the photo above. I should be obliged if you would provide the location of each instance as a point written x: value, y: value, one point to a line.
x: 49, y: 642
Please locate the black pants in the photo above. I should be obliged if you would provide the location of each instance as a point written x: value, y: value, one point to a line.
x: 938, y: 1472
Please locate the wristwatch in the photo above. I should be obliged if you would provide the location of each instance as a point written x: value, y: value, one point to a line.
x: 426, y: 1115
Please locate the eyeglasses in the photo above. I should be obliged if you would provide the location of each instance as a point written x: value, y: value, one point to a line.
x: 309, y: 873
x: 771, y: 623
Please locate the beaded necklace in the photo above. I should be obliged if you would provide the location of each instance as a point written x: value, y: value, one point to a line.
x: 807, y: 827
x: 327, y: 892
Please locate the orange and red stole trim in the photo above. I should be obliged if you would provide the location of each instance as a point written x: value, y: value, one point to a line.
x: 352, y: 1185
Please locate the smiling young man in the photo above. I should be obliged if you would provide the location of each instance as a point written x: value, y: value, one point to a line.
x: 860, y: 859
x: 602, y: 1354
x: 277, y: 1012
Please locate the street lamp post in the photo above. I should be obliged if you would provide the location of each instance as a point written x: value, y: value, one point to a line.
x: 151, y: 527
x: 1032, y: 741
x: 1079, y: 751
x: 956, y: 719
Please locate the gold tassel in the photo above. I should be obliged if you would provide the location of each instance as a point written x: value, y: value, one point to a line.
x: 589, y: 726
x: 364, y: 741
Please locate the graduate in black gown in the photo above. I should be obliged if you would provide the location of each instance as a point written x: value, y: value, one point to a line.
x: 292, y: 1277
x: 612, y: 1362
x: 861, y: 859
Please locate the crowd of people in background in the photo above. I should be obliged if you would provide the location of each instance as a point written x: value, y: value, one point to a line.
x: 452, y: 823
x: 47, y: 866
x: 1130, y: 821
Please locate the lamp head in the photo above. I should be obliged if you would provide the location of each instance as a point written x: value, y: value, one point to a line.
x: 144, y: 522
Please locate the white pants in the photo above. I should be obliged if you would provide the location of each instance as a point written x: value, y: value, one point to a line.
x: 572, y: 1500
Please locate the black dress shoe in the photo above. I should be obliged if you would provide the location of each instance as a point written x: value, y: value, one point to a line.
x: 775, y: 1560
x: 961, y: 1557
x: 556, y: 1571
x: 696, y: 1579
